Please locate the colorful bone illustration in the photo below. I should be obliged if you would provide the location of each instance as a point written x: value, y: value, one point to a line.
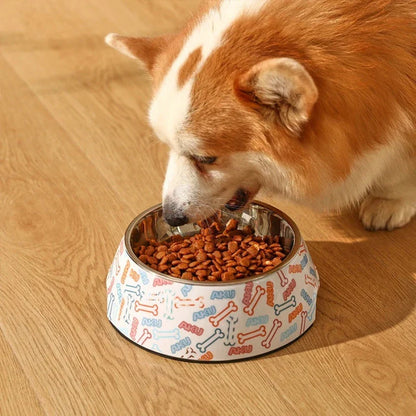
x: 270, y: 336
x: 259, y: 332
x: 135, y: 290
x: 110, y: 305
x: 203, y: 346
x: 110, y: 287
x: 141, y: 307
x: 125, y: 271
x: 312, y: 308
x: 173, y: 333
x: 249, y: 309
x: 168, y: 314
x: 133, y: 329
x: 283, y: 279
x: 231, y: 324
x: 303, y: 316
x: 189, y: 353
x: 127, y: 311
x: 183, y: 303
x: 309, y: 280
x: 278, y: 309
x: 216, y: 319
x: 144, y: 337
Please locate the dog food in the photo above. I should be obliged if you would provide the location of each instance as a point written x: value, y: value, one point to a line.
x: 215, y: 253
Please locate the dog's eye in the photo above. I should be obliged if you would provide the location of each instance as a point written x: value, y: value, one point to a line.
x: 204, y: 160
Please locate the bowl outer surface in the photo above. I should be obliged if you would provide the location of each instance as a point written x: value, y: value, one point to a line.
x: 216, y: 322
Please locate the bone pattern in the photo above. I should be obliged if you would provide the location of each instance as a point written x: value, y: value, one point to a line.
x: 189, y: 353
x: 155, y: 313
x: 259, y: 332
x: 134, y: 289
x: 283, y: 279
x: 141, y: 307
x: 231, y: 325
x: 144, y: 337
x: 110, y: 304
x: 267, y: 342
x: 303, y: 316
x: 181, y: 303
x: 216, y: 319
x: 309, y: 280
x: 312, y: 309
x: 202, y: 346
x: 127, y: 310
x: 278, y: 309
x: 249, y: 309
x: 158, y: 334
x: 168, y: 314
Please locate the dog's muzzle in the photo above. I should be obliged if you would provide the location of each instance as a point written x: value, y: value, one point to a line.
x: 172, y: 215
x: 239, y: 200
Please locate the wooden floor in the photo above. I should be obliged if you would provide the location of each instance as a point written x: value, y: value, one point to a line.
x: 77, y: 163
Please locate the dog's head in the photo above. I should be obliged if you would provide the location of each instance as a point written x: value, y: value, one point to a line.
x: 230, y: 112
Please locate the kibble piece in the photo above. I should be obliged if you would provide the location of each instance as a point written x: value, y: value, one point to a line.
x: 232, y: 246
x: 187, y: 275
x: 201, y: 256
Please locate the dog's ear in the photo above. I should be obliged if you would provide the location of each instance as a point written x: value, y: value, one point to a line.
x: 144, y: 49
x: 279, y: 88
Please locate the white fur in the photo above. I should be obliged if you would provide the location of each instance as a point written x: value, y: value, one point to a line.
x: 199, y: 196
x: 364, y: 173
x: 171, y: 104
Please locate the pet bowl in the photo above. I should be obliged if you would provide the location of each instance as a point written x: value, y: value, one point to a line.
x: 213, y: 321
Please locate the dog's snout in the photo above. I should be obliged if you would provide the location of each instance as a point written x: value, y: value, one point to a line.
x: 173, y: 216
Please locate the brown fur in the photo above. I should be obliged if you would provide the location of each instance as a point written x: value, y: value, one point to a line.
x: 189, y: 67
x: 362, y: 57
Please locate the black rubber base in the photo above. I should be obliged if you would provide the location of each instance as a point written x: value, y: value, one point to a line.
x: 210, y: 361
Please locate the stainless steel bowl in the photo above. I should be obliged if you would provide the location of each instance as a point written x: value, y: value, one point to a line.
x: 264, y: 219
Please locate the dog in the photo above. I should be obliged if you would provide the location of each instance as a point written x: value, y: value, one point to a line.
x: 314, y: 101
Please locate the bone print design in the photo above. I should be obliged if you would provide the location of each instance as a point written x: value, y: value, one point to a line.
x: 194, y: 322
x: 249, y: 309
x: 270, y: 336
x: 216, y: 319
x: 203, y: 346
x: 183, y: 303
x: 144, y: 337
x: 127, y: 311
x: 141, y: 307
x: 282, y: 277
x: 278, y: 309
x: 259, y: 332
x: 231, y: 326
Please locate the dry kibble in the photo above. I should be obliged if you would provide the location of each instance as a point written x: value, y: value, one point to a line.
x: 216, y: 253
x: 201, y: 256
x: 232, y: 246
x: 187, y: 275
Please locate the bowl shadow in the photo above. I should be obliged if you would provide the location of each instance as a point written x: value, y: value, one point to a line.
x: 367, y: 286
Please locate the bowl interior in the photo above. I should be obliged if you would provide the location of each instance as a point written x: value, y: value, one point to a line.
x: 262, y: 218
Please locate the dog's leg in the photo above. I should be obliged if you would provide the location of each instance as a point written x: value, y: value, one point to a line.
x: 391, y: 204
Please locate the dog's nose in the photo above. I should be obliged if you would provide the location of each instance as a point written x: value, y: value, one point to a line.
x: 173, y: 216
x: 176, y: 221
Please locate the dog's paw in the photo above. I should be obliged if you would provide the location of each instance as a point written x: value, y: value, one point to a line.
x: 385, y: 214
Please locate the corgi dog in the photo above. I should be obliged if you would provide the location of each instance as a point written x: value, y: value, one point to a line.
x: 314, y: 101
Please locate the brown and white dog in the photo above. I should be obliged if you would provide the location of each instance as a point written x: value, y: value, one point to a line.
x: 312, y: 100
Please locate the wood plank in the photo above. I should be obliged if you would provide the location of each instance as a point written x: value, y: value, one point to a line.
x: 77, y: 162
x: 18, y: 397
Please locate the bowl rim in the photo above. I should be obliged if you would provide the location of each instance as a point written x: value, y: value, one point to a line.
x: 288, y: 258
